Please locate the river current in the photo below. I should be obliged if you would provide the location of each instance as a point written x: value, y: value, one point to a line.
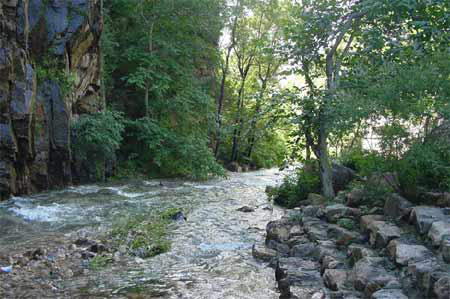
x: 210, y: 255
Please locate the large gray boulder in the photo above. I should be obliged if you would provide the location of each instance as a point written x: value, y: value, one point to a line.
x: 423, y: 217
x: 338, y: 211
x: 445, y: 248
x: 369, y: 275
x: 404, y: 254
x: 261, y: 252
x: 397, y: 207
x: 335, y: 279
x: 442, y: 288
x: 381, y: 233
x: 438, y: 231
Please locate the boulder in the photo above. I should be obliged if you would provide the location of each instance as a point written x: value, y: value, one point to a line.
x: 357, y: 252
x: 445, y: 248
x: 442, y: 288
x: 342, y: 176
x: 343, y: 236
x: 335, y: 279
x: 355, y: 197
x: 261, y: 252
x: 338, y: 211
x: 330, y: 262
x: 424, y: 274
x: 246, y: 209
x: 381, y: 233
x: 397, y: 207
x: 423, y: 217
x: 404, y: 254
x: 369, y: 275
x: 298, y: 272
x: 315, y: 229
x: 306, y: 251
x: 435, y: 198
x: 281, y: 248
x: 317, y: 199
x: 389, y: 294
x: 278, y: 230
x: 312, y: 211
x: 328, y: 248
x: 387, y: 181
x: 437, y: 231
x: 367, y: 220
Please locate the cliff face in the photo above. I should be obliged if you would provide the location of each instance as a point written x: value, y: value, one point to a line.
x: 49, y: 74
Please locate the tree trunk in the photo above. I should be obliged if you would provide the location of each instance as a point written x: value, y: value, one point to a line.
x: 326, y: 175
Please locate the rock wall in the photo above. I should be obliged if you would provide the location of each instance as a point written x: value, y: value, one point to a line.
x: 50, y: 66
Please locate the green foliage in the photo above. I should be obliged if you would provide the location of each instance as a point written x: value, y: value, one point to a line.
x: 97, y: 136
x: 270, y: 151
x: 99, y: 262
x: 49, y: 68
x: 346, y: 223
x: 365, y: 162
x: 296, y: 217
x: 425, y: 165
x: 173, y: 153
x: 296, y: 187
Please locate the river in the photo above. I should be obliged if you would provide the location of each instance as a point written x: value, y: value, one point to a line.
x: 210, y: 255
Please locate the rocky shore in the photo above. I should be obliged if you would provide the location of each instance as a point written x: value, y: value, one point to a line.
x: 337, y: 251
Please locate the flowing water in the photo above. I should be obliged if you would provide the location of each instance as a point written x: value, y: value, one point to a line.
x: 210, y: 255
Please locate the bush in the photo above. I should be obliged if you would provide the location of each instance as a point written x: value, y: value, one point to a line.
x: 296, y: 187
x: 425, y: 166
x: 171, y: 153
x: 365, y: 162
x: 271, y: 151
x: 96, y: 137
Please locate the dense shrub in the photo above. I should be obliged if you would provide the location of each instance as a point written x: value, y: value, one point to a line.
x: 169, y: 153
x: 271, y: 151
x: 425, y: 166
x: 96, y: 137
x: 296, y: 187
x: 365, y: 162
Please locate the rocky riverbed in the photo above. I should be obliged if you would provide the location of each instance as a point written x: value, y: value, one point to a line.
x: 336, y: 251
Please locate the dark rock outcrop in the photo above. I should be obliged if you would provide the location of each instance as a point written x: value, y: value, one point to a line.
x: 49, y: 74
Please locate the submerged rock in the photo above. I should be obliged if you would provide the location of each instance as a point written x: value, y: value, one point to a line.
x: 246, y: 209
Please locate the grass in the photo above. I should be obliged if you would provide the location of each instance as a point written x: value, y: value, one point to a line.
x: 144, y: 235
x: 99, y: 262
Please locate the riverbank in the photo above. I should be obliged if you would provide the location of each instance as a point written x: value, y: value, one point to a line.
x: 336, y: 251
